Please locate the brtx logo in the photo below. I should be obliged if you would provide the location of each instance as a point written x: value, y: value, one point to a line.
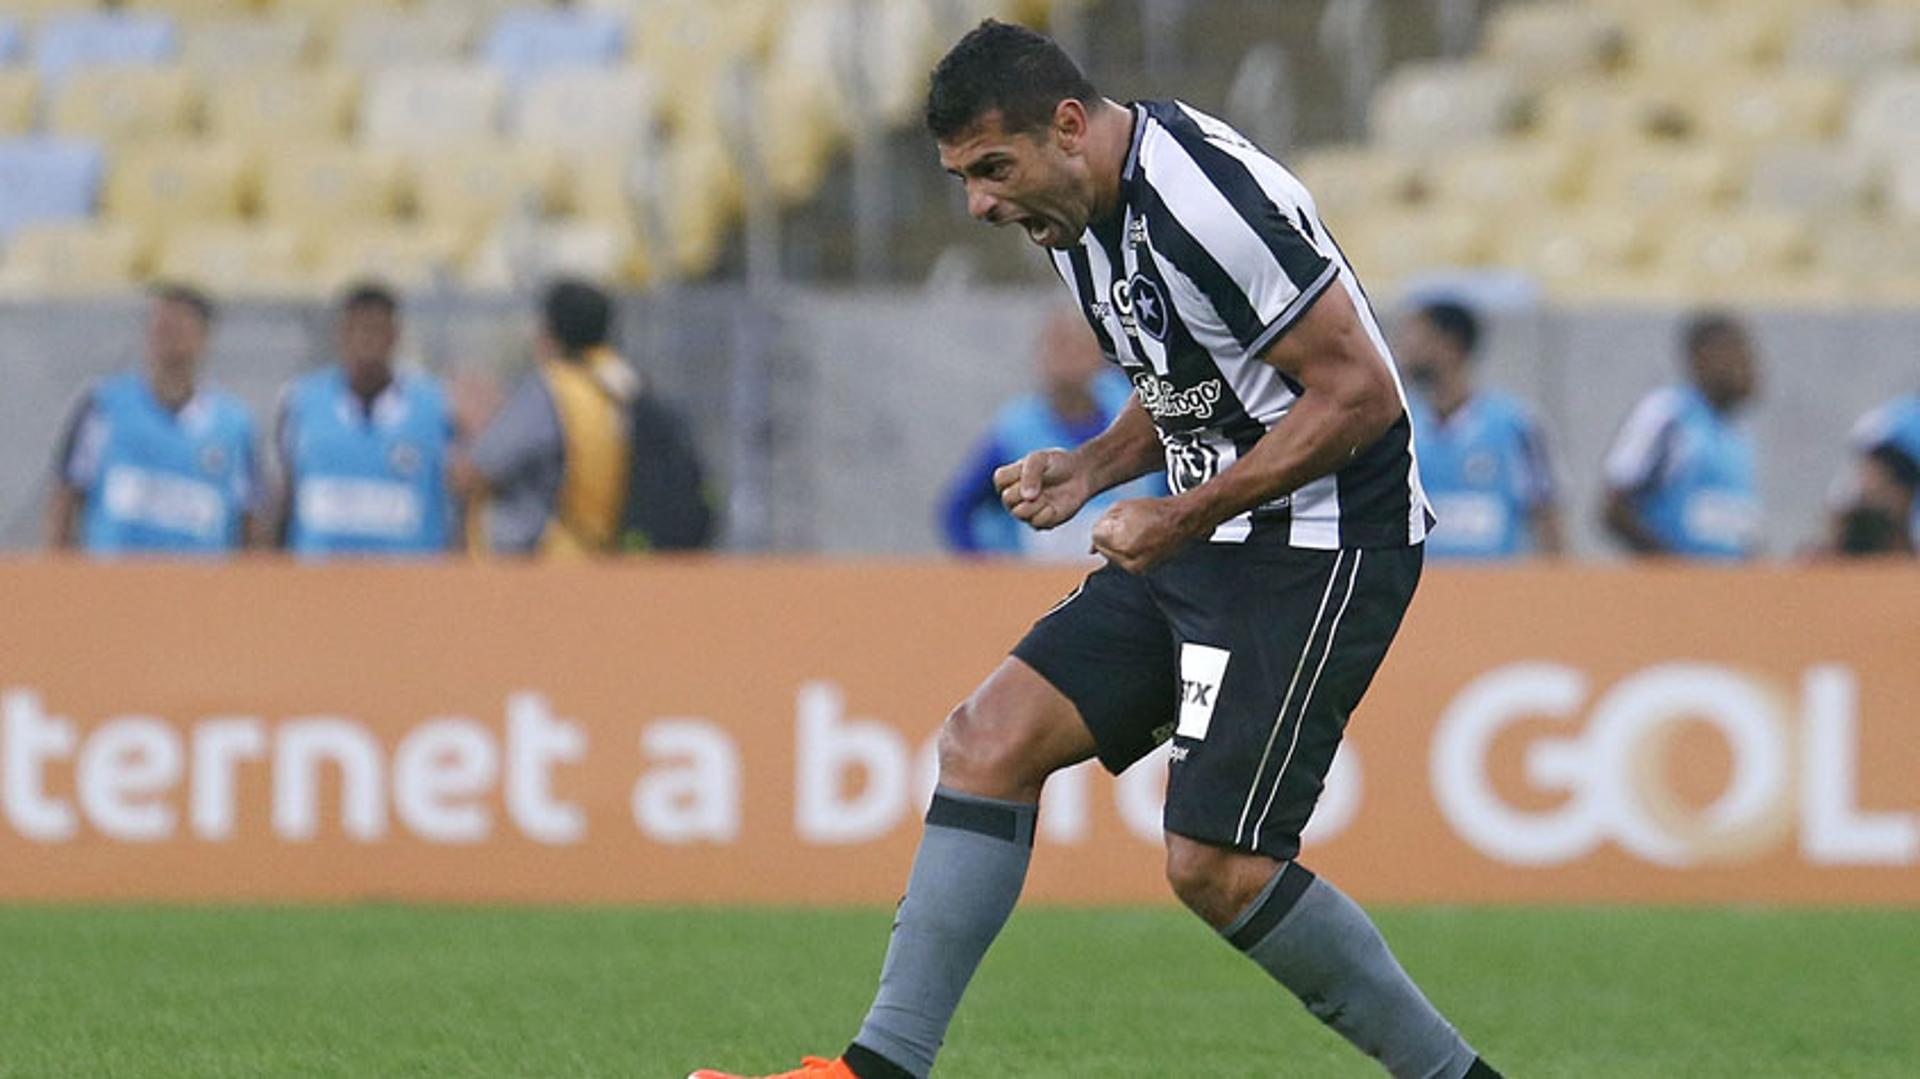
x: 1202, y: 669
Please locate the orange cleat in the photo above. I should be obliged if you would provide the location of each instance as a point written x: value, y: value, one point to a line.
x: 810, y: 1068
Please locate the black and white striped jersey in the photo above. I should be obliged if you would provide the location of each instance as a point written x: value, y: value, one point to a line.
x: 1216, y: 251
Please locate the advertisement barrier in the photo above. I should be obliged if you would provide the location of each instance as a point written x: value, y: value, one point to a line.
x: 746, y: 731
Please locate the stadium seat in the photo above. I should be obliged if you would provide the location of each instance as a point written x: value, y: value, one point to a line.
x: 523, y: 256
x: 529, y: 42
x: 314, y: 185
x: 474, y: 187
x: 44, y: 179
x: 1564, y: 247
x: 1903, y: 187
x: 1659, y: 179
x: 274, y: 105
x: 1884, y: 110
x: 81, y: 39
x: 409, y: 257
x: 431, y: 105
x: 1770, y: 108
x: 599, y: 183
x: 19, y: 90
x: 1554, y: 39
x: 1346, y: 179
x: 69, y: 258
x: 1438, y: 105
x: 161, y: 186
x: 1693, y: 39
x: 897, y: 45
x: 698, y: 200
x: 371, y: 39
x: 1814, y: 178
x: 125, y: 104
x: 1612, y: 109
x: 597, y: 107
x: 1521, y: 173
x: 685, y: 44
x: 1388, y: 247
x: 257, y: 43
x: 1879, y: 259
x: 237, y: 260
x: 1851, y: 41
x: 803, y: 112
x: 329, y: 16
x: 1717, y: 250
x: 185, y: 11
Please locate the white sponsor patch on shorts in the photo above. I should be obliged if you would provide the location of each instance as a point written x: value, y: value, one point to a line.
x: 1202, y: 667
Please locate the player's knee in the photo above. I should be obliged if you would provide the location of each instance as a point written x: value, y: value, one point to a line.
x: 1196, y: 872
x: 988, y: 752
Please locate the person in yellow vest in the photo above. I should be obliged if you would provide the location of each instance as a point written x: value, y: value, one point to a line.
x: 547, y: 476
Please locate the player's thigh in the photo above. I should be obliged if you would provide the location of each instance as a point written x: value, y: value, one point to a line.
x: 1010, y: 734
x: 1107, y: 649
x: 1277, y: 647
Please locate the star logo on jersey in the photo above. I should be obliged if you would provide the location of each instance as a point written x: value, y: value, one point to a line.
x: 1149, y: 306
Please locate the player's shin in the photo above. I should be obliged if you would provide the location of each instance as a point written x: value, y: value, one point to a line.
x: 966, y: 878
x: 1324, y: 949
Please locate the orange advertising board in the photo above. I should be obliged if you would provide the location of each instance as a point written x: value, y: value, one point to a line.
x: 744, y: 731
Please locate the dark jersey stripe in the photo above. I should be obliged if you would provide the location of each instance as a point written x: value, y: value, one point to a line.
x: 1376, y: 490
x: 1083, y: 286
x: 1189, y: 257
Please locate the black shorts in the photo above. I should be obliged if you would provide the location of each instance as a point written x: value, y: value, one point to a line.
x: 1250, y: 657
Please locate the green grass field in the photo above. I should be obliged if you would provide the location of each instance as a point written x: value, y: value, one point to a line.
x: 394, y: 991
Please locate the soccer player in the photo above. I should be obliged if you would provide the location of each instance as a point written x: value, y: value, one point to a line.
x: 155, y: 461
x: 1879, y: 508
x: 363, y: 448
x: 1680, y: 478
x: 1482, y: 458
x: 1242, y: 616
x: 1080, y: 395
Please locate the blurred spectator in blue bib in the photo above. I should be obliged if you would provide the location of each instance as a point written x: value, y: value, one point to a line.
x: 1681, y: 477
x: 362, y: 448
x: 1877, y: 508
x: 1080, y: 394
x: 155, y: 461
x: 1482, y: 458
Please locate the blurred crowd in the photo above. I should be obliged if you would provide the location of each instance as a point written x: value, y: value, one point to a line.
x: 367, y: 457
x: 1681, y: 477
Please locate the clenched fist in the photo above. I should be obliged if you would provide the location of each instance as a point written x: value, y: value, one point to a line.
x: 1140, y: 532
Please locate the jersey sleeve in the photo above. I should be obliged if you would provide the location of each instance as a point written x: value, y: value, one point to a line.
x: 1640, y: 449
x: 1235, y: 224
x: 83, y: 438
x: 1878, y: 437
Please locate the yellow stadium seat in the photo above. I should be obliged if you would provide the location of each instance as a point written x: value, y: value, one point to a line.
x: 1660, y: 179
x: 1770, y: 108
x: 271, y: 104
x: 71, y: 257
x: 195, y: 10
x: 1814, y: 178
x: 1879, y: 259
x: 899, y: 44
x: 586, y: 107
x: 599, y: 183
x: 238, y: 260
x: 1515, y: 174
x: 1440, y: 105
x: 687, y: 44
x: 602, y: 251
x: 329, y: 183
x: 18, y: 94
x: 126, y: 104
x: 1849, y: 41
x: 1720, y: 255
x: 1903, y: 187
x: 1720, y: 37
x: 162, y: 185
x: 377, y: 39
x: 1612, y: 109
x: 1564, y: 247
x: 259, y: 42
x: 1390, y: 247
x: 1884, y: 110
x: 474, y: 187
x: 408, y: 256
x: 1554, y: 39
x: 1349, y: 181
x: 449, y: 104
x: 699, y: 199
x: 327, y: 16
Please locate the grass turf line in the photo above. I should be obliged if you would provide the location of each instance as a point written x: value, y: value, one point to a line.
x: 470, y: 991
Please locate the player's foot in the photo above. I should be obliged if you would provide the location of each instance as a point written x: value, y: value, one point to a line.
x: 810, y: 1068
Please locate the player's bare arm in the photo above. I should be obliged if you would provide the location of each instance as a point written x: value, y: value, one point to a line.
x: 1047, y: 487
x: 1350, y: 400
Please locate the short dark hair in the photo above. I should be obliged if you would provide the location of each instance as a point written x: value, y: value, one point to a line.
x: 1455, y: 321
x: 186, y: 296
x: 369, y: 293
x: 1703, y: 327
x: 578, y: 315
x: 1022, y: 74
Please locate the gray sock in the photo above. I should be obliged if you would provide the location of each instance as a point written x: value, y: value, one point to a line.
x: 1319, y: 944
x: 966, y: 877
